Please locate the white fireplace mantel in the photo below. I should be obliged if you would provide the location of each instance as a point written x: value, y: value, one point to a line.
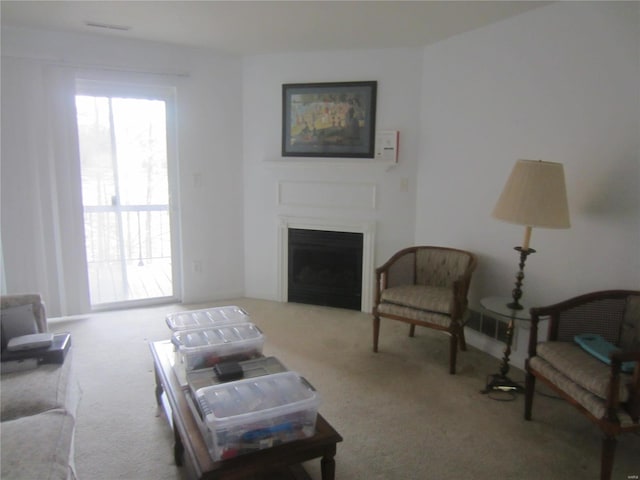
x: 367, y: 229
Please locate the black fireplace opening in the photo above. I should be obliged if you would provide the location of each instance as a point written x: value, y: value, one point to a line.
x: 325, y: 268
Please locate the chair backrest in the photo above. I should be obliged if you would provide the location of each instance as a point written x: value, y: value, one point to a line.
x: 600, y: 316
x: 630, y: 333
x: 402, y: 269
x: 440, y: 267
x: 613, y: 314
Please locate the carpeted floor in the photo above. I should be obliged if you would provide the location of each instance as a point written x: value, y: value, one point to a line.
x: 401, y: 414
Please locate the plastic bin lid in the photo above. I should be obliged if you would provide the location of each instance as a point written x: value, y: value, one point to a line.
x: 206, y: 317
x: 220, y: 335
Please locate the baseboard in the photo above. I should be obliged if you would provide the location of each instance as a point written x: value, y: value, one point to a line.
x: 492, y: 340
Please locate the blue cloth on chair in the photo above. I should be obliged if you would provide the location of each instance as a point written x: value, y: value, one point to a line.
x: 597, y: 346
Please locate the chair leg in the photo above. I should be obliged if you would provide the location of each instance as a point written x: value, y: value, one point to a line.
x: 412, y: 330
x: 376, y: 332
x: 461, y: 339
x: 608, y: 453
x: 529, y: 389
x: 453, y: 352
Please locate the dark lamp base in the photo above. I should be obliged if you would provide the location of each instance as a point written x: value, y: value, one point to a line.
x: 502, y: 383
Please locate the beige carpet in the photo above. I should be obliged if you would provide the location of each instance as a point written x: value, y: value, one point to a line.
x: 401, y: 414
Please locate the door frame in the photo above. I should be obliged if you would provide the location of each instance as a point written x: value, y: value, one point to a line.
x: 89, y: 85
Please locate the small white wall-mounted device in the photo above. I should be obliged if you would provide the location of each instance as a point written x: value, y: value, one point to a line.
x: 387, y: 145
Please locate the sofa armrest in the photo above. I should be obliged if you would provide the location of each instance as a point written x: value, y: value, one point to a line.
x: 39, y: 311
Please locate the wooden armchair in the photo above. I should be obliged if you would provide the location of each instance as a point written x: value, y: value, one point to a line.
x: 603, y: 393
x: 425, y: 286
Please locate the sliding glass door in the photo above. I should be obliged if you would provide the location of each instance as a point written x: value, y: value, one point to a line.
x: 128, y: 228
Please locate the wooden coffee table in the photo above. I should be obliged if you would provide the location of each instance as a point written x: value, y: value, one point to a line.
x: 190, y: 449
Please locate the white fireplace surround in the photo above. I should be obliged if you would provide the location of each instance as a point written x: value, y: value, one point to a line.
x: 367, y: 229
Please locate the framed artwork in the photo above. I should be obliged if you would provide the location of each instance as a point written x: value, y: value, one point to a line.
x: 329, y: 119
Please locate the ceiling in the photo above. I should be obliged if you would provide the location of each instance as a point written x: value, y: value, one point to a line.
x: 259, y: 27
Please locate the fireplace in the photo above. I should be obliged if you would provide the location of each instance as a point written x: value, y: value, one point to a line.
x: 366, y: 229
x: 325, y: 268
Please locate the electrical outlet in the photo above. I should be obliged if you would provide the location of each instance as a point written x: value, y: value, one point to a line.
x: 197, y: 266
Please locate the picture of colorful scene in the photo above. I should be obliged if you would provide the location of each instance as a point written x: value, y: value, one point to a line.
x: 328, y: 119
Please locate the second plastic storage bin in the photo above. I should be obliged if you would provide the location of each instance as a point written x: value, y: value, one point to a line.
x: 208, y: 317
x: 256, y: 413
x: 204, y: 347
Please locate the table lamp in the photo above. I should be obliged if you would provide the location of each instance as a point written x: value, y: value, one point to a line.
x: 534, y: 196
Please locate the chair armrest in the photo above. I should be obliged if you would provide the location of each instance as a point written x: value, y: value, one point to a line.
x: 462, y: 283
x: 633, y: 403
x: 460, y: 292
x: 381, y: 284
x: 404, y: 261
x: 534, y: 313
x: 622, y: 356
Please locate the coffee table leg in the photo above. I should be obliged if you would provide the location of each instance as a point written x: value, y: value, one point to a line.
x: 328, y: 467
x: 159, y: 389
x: 159, y: 392
x: 178, y: 447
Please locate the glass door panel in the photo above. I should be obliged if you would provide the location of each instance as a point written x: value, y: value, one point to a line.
x: 125, y: 192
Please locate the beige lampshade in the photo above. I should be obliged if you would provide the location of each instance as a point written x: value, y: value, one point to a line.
x: 534, y: 195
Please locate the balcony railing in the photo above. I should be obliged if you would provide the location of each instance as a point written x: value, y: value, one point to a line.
x: 128, y: 252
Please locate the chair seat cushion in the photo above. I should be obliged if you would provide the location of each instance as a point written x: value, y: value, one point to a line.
x: 420, y: 297
x: 592, y: 403
x: 582, y: 368
x: 413, y: 315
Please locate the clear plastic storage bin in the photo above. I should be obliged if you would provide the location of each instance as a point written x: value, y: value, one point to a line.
x: 257, y: 413
x: 208, y: 317
x: 256, y: 367
x: 204, y: 347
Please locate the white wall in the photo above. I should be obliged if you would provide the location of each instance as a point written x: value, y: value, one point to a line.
x: 397, y: 72
x: 24, y: 252
x: 560, y: 83
x: 209, y: 110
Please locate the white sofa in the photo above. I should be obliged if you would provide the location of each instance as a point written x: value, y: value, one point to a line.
x: 38, y: 412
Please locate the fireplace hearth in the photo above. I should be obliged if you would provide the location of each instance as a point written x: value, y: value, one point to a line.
x: 325, y: 268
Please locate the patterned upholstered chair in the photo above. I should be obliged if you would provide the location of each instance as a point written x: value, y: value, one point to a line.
x: 425, y: 286
x: 603, y: 393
